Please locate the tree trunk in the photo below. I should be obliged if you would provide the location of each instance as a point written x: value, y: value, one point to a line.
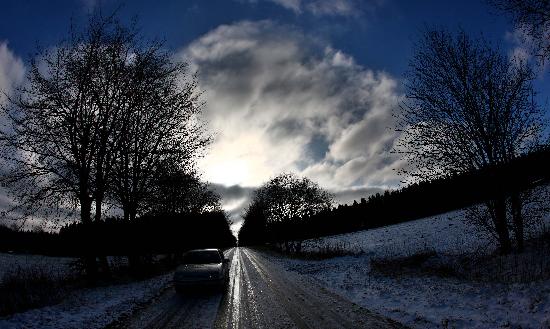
x: 89, y: 257
x: 517, y: 218
x: 103, y: 263
x: 98, y: 206
x: 501, y: 226
x: 134, y: 261
x: 133, y: 213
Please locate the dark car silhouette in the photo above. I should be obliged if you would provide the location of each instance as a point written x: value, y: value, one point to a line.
x: 202, y: 268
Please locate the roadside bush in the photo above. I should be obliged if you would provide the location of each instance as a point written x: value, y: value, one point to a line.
x: 29, y: 287
x: 414, y: 263
x: 320, y: 252
x: 535, y: 208
x: 121, y: 269
x: 531, y: 265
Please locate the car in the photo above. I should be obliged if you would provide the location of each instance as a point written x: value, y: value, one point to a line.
x: 202, y: 269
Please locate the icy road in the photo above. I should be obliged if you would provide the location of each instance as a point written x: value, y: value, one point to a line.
x: 260, y: 295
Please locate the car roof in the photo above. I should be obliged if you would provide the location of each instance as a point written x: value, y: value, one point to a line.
x: 202, y: 250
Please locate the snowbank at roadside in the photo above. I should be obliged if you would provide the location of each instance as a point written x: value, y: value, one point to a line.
x: 90, y: 308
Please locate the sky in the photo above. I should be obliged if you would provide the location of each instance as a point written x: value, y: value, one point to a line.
x: 303, y: 86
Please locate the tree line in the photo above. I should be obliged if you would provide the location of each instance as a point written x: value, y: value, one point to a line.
x: 168, y: 233
x: 414, y: 201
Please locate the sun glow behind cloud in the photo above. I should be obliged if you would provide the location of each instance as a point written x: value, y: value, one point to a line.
x: 227, y: 171
x: 282, y: 101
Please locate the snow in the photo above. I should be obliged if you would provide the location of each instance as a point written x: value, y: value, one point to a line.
x: 60, y: 267
x: 444, y: 234
x: 426, y: 301
x: 91, y: 308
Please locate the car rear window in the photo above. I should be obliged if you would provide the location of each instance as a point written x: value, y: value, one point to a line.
x: 202, y: 257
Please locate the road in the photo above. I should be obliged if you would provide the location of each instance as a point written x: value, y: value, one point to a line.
x: 260, y: 295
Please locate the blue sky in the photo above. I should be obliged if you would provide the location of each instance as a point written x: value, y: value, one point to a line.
x: 304, y: 86
x: 377, y: 34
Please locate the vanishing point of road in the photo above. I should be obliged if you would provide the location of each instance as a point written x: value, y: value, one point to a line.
x: 260, y: 294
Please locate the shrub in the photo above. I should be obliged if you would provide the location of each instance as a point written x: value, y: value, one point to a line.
x: 28, y: 287
x: 323, y: 251
x: 531, y: 265
x: 412, y: 263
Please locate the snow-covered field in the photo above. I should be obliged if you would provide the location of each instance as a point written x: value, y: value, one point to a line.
x: 90, y: 308
x: 427, y: 301
x: 57, y: 266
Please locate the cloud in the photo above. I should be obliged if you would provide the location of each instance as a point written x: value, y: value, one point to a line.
x: 523, y: 47
x: 521, y: 44
x: 12, y: 73
x: 294, y: 5
x: 323, y: 7
x: 282, y: 101
x: 234, y: 198
x: 331, y: 7
x: 12, y: 70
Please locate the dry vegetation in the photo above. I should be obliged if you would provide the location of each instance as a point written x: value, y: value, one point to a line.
x: 531, y: 265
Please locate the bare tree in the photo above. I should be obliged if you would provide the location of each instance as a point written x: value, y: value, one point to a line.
x: 161, y: 126
x: 287, y: 197
x: 532, y: 18
x: 112, y: 87
x: 284, y: 198
x: 468, y: 107
x: 98, y: 114
x: 176, y: 191
x: 61, y: 125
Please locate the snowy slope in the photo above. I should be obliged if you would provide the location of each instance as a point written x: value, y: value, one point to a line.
x: 90, y: 308
x: 446, y: 233
x: 427, y: 301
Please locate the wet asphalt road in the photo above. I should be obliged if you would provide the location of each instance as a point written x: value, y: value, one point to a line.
x: 259, y: 295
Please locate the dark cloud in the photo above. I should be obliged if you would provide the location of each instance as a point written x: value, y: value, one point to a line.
x: 233, y: 192
x: 284, y: 128
x: 235, y: 199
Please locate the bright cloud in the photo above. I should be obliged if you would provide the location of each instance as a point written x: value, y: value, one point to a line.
x: 282, y: 101
x: 12, y: 70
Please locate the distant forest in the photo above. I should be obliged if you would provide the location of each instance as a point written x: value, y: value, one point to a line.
x: 417, y: 200
x: 158, y: 234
